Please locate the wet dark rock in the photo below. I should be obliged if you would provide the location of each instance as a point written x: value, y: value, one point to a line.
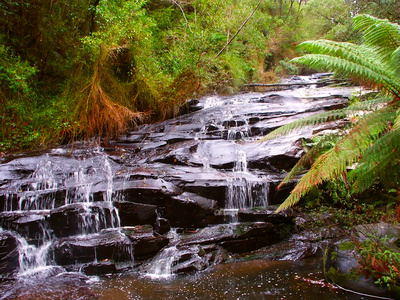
x: 99, y: 268
x: 106, y: 245
x: 308, y: 243
x: 162, y: 226
x: 147, y: 191
x: 212, y: 189
x: 28, y: 224
x: 238, y: 238
x: 131, y: 214
x: 190, y: 106
x: 81, y: 218
x: 189, y: 210
x: 9, y: 255
x: 145, y: 242
x: 266, y: 215
x: 196, y: 258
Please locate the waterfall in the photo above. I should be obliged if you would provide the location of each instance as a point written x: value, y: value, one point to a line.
x: 161, y: 264
x: 243, y: 190
x: 36, y: 198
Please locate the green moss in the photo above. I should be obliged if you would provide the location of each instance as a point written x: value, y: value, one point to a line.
x: 346, y: 246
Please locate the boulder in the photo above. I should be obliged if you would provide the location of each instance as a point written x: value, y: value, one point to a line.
x: 99, y: 268
x: 342, y: 263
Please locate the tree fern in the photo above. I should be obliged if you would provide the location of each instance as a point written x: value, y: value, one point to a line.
x: 327, y: 142
x: 374, y: 142
x: 378, y: 163
x: 347, y: 151
x: 328, y: 116
x: 378, y: 33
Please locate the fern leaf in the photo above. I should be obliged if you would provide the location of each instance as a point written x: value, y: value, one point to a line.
x: 380, y: 76
x: 378, y: 33
x: 313, y: 120
x: 379, y: 162
x: 396, y: 125
x: 333, y: 115
x: 347, y: 151
x: 395, y: 61
x: 360, y: 54
x: 306, y: 161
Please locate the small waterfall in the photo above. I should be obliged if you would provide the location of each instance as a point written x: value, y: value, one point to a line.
x: 162, y: 263
x: 81, y: 188
x: 84, y: 183
x: 241, y: 162
x: 244, y: 192
x: 98, y: 216
x: 34, y: 259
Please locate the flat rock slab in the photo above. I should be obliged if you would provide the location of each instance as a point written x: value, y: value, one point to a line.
x: 106, y: 245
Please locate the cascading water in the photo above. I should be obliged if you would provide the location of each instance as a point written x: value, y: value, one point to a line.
x: 161, y: 265
x: 37, y: 196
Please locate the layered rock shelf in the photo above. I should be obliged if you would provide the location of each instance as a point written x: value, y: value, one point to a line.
x: 201, y: 184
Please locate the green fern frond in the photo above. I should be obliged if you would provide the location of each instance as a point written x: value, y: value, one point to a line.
x: 369, y: 105
x: 379, y: 162
x: 329, y: 116
x: 359, y: 54
x: 396, y: 124
x: 380, y: 75
x: 313, y: 120
x: 378, y: 33
x: 327, y: 142
x: 395, y: 61
x: 347, y: 151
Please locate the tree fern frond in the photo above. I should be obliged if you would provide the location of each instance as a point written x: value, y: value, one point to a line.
x: 327, y: 142
x: 396, y: 124
x: 347, y: 151
x: 324, y: 117
x: 378, y: 33
x: 369, y: 105
x: 360, y: 54
x: 380, y: 76
x: 313, y: 120
x: 395, y: 61
x: 379, y: 162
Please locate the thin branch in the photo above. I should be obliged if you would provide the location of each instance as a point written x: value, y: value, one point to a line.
x: 237, y: 32
x: 183, y: 13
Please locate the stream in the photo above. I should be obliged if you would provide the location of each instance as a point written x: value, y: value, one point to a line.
x: 181, y: 209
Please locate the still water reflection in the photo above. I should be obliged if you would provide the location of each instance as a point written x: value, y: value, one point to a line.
x: 257, y: 279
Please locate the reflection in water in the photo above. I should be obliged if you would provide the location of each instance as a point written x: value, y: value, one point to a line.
x: 256, y: 279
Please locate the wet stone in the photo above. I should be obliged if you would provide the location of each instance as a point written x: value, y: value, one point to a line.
x: 106, y: 245
x: 145, y: 242
x: 9, y: 255
x: 131, y: 214
x: 99, y: 268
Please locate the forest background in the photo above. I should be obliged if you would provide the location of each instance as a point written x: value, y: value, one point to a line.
x: 73, y: 70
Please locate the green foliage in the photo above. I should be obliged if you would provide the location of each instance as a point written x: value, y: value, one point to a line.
x: 381, y: 261
x: 329, y: 19
x: 372, y: 143
x: 103, y: 66
x: 16, y: 92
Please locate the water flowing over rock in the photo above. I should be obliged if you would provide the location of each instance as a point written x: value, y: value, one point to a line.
x: 204, y: 172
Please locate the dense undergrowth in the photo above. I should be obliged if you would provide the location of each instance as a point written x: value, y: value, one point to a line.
x: 72, y: 70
